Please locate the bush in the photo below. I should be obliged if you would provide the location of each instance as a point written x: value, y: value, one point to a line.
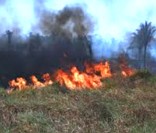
x: 143, y: 74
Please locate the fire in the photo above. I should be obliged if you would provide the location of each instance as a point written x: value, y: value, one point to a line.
x: 77, y: 80
x: 47, y: 79
x: 19, y: 83
x: 84, y: 80
x: 36, y: 82
x: 74, y: 79
x: 127, y: 71
x: 64, y: 79
x: 104, y: 69
x: 88, y: 79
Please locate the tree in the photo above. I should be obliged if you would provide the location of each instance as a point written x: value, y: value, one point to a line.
x: 142, y: 38
x: 9, y: 34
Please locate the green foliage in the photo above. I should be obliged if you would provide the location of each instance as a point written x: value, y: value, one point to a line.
x: 141, y: 40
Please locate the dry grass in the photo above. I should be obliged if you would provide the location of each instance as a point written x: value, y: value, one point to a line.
x: 121, y: 106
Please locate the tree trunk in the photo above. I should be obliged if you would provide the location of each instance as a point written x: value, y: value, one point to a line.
x: 139, y: 58
x: 145, y: 53
x: 90, y: 51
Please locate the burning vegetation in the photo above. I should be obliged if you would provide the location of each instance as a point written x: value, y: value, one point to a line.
x: 64, y: 55
x: 40, y: 60
x: 74, y: 79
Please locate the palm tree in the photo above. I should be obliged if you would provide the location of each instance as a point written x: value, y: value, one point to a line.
x: 142, y: 38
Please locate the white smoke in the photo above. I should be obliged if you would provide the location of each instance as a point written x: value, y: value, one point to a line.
x: 113, y: 18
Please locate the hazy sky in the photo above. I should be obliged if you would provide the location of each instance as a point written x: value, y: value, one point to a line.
x: 113, y: 18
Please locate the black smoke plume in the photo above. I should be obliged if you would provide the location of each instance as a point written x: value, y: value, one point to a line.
x: 63, y: 40
x: 69, y: 22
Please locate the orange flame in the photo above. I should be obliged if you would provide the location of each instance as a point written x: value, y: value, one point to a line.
x: 74, y: 79
x: 47, y: 79
x: 127, y: 71
x: 36, y: 82
x: 102, y: 68
x: 88, y: 79
x: 77, y: 79
x: 19, y: 83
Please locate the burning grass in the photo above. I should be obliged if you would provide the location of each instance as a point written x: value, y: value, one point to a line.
x: 122, y: 105
x: 74, y: 79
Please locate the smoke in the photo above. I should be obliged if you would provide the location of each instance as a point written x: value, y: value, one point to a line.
x: 112, y: 19
x: 109, y: 23
x: 69, y: 22
x: 39, y: 54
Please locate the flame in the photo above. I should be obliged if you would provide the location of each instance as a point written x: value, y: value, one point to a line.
x: 47, y: 79
x: 102, y: 68
x: 77, y: 80
x: 36, y: 83
x: 20, y: 83
x: 88, y: 79
x: 127, y: 71
x: 64, y: 79
x: 74, y: 79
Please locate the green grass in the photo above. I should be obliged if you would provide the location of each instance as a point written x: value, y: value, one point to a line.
x: 122, y: 105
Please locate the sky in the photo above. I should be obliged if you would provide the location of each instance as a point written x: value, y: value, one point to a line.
x: 112, y: 18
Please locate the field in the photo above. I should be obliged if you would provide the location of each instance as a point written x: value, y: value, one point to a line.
x: 122, y: 105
